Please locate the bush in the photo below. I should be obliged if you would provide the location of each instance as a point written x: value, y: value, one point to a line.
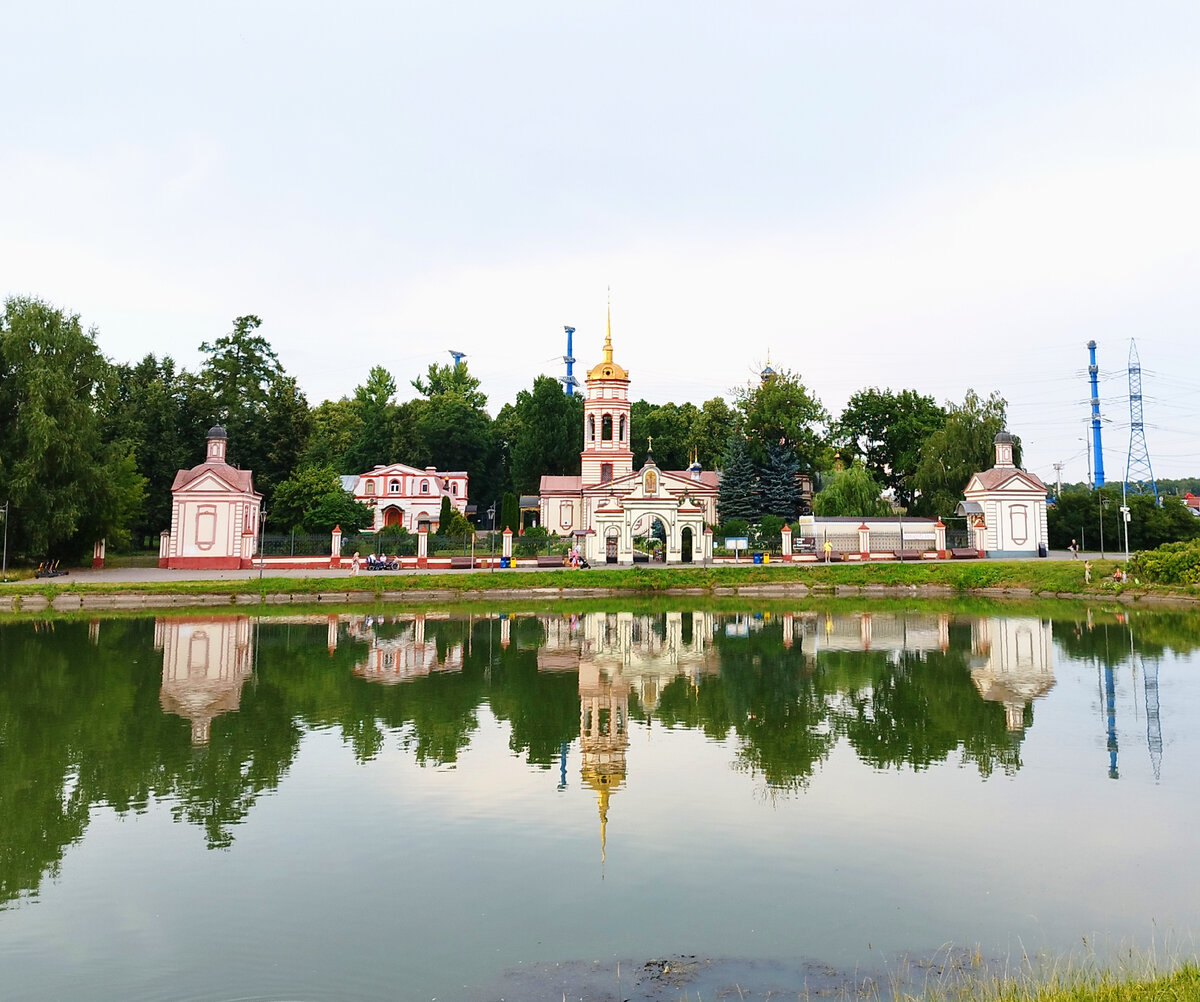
x: 1171, y: 563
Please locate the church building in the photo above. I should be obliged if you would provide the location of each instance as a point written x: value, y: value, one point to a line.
x: 611, y: 503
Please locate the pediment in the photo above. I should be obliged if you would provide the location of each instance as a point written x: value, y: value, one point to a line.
x: 209, y: 482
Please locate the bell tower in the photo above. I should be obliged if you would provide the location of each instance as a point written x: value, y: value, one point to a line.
x: 606, y: 434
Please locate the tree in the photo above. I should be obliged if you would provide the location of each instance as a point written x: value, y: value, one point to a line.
x: 544, y: 434
x: 452, y: 379
x: 238, y: 373
x: 777, y: 487
x: 444, y: 516
x: 373, y: 407
x: 964, y: 445
x: 510, y: 513
x: 736, y: 494
x: 313, y: 500
x: 782, y: 410
x: 334, y: 428
x: 852, y: 491
x: 287, y: 425
x: 669, y: 426
x: 887, y: 431
x: 713, y: 424
x: 67, y: 486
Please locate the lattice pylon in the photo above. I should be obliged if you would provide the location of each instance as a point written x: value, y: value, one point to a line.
x: 1139, y: 477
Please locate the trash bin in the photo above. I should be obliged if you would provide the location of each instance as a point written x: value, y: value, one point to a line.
x: 758, y: 558
x: 505, y: 562
x: 1042, y: 551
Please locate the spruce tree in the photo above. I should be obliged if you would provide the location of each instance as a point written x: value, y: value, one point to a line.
x: 736, y: 495
x: 778, y: 494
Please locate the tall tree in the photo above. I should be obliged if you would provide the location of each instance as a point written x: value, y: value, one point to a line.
x: 288, y: 423
x: 546, y: 431
x: 442, y: 379
x: 782, y: 410
x: 669, y: 425
x: 335, y: 426
x: 713, y: 424
x: 374, y: 406
x: 737, y: 493
x: 66, y: 485
x: 238, y: 373
x: 778, y: 489
x: 852, y: 491
x: 887, y: 431
x: 962, y: 446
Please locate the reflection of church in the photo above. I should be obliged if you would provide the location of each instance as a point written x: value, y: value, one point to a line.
x: 403, y: 655
x: 618, y: 655
x: 610, y: 504
x: 1012, y: 663
x: 205, y: 663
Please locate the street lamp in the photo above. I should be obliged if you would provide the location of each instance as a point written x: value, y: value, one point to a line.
x: 4, y: 566
x: 492, y: 537
x: 262, y: 538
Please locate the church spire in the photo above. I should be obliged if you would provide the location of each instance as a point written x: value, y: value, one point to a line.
x: 608, y: 328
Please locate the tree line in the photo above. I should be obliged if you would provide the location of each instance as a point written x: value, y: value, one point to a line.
x: 89, y: 447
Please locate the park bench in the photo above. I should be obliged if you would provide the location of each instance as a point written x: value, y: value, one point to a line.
x: 964, y: 553
x: 549, y: 560
x: 907, y: 554
x: 462, y: 563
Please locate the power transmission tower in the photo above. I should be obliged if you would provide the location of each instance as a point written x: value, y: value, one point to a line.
x: 1139, y: 478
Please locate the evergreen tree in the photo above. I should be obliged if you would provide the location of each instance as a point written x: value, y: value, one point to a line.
x: 777, y: 490
x: 444, y: 516
x: 510, y: 513
x: 736, y: 495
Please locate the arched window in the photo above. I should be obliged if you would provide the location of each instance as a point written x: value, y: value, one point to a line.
x: 393, y: 486
x: 605, y: 472
x: 454, y: 489
x: 622, y: 427
x: 592, y: 427
x: 370, y: 486
x: 606, y: 428
x: 424, y: 486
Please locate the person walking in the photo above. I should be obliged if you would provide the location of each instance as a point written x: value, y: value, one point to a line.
x: 354, y: 565
x: 1074, y: 550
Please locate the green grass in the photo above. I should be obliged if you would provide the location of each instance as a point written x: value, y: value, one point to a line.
x: 1182, y: 985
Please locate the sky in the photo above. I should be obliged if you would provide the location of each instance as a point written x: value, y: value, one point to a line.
x: 938, y: 196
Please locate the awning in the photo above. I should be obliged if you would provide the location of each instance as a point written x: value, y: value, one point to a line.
x: 968, y: 508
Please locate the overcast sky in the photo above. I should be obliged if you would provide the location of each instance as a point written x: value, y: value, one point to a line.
x: 937, y: 196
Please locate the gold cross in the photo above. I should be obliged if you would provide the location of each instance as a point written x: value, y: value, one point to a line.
x: 649, y: 443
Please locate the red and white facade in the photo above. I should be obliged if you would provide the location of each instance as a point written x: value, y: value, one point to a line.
x: 406, y: 496
x: 214, y: 514
x: 1006, y: 507
x: 612, y: 503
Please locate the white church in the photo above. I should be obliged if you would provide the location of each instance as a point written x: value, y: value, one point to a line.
x: 611, y: 503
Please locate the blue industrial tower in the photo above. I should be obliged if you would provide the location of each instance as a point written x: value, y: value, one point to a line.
x: 1139, y: 478
x: 569, y: 381
x: 1093, y: 373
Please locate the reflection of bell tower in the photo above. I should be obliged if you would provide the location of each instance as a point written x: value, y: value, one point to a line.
x: 603, y: 735
x: 205, y: 663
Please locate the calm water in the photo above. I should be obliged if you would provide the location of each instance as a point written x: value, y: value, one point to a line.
x: 362, y: 807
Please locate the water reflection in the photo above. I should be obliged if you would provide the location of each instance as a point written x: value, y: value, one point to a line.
x: 87, y: 718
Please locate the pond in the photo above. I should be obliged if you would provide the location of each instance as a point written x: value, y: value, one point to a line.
x: 420, y: 806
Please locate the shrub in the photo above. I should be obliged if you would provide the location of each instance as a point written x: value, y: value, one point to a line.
x: 1171, y: 563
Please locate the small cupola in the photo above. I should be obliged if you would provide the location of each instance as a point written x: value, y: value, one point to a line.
x: 217, y: 440
x: 1004, y: 450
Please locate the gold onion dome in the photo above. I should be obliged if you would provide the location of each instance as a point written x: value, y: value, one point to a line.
x: 607, y: 369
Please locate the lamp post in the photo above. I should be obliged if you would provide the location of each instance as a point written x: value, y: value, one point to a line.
x: 492, y: 539
x: 1100, y: 495
x: 1125, y: 520
x: 4, y: 566
x: 262, y: 538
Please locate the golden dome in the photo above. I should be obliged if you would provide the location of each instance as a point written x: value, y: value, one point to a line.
x: 607, y: 369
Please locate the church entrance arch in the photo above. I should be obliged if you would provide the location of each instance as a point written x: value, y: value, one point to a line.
x: 393, y: 516
x: 611, y: 541
x: 685, y: 545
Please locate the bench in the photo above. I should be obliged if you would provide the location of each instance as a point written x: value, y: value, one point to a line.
x: 462, y: 563
x: 550, y: 560
x: 907, y: 554
x: 964, y: 553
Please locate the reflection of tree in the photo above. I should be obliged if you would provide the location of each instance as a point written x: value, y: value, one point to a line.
x: 922, y: 706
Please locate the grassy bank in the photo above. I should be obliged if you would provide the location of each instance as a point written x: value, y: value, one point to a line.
x: 1182, y: 985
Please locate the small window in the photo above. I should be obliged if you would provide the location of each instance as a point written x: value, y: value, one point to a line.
x: 424, y: 486
x: 454, y: 489
x: 592, y: 427
x: 393, y: 486
x: 605, y: 472
x: 370, y: 486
